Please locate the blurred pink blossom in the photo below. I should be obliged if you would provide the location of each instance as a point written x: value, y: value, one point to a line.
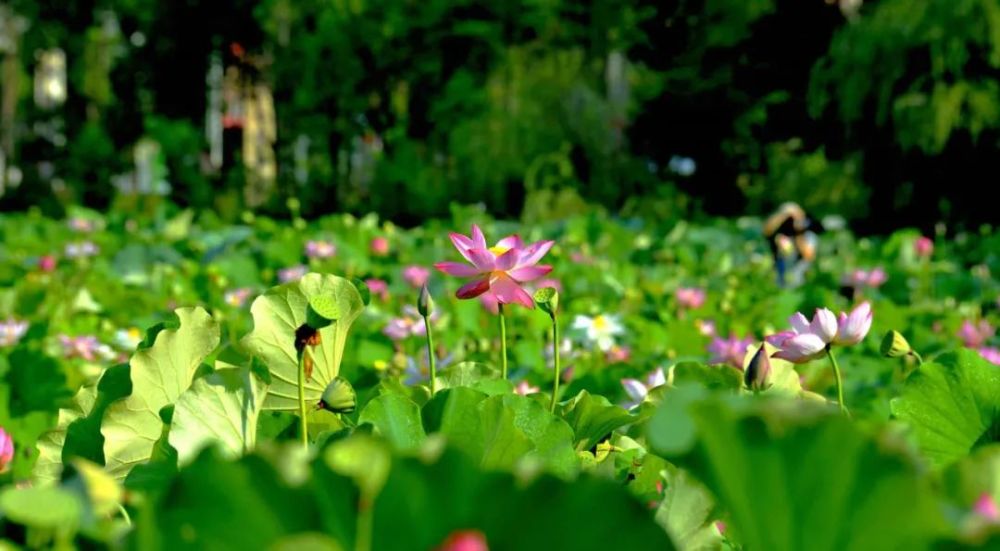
x: 525, y: 388
x: 379, y: 246
x: 924, y: 247
x: 974, y: 335
x: 416, y: 276
x: 730, y: 351
x: 320, y: 249
x: 292, y: 273
x: 378, y: 288
x: 990, y: 354
x: 690, y: 297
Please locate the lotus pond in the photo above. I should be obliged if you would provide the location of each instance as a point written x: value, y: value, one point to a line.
x: 592, y: 383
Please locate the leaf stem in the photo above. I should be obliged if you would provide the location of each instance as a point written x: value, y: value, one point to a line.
x: 840, y: 380
x: 302, y: 399
x: 556, y: 367
x: 503, y: 342
x: 363, y: 539
x: 431, y: 360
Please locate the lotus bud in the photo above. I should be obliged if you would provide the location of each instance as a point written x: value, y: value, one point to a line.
x: 425, y: 303
x: 758, y: 371
x: 894, y: 345
x: 547, y: 299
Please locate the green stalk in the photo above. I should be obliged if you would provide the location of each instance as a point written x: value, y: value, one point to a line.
x: 840, y: 380
x: 555, y: 355
x: 503, y: 343
x: 363, y: 540
x: 920, y: 359
x: 430, y: 354
x: 302, y: 399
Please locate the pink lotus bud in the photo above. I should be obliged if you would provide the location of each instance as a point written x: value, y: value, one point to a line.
x: 924, y: 247
x: 379, y: 246
x: 6, y: 450
x: 47, y: 263
x: 465, y: 540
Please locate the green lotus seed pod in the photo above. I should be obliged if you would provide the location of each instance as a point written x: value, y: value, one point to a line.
x: 339, y: 396
x: 547, y: 299
x: 894, y: 345
x: 322, y: 311
x: 425, y: 303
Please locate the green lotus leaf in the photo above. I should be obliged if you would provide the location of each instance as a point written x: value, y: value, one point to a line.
x: 283, y: 309
x: 159, y: 374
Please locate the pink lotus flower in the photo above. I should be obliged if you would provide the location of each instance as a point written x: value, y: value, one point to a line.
x: 86, y: 347
x: 6, y: 450
x: 690, y: 297
x: 237, y: 297
x: 987, y: 508
x: 378, y: 288
x: 990, y: 354
x: 500, y: 270
x: 379, y: 246
x: 730, y: 351
x: 292, y: 273
x: 924, y: 247
x: 410, y: 324
x: 638, y: 390
x: 853, y: 328
x: 864, y: 278
x: 464, y: 540
x: 11, y: 331
x: 705, y: 327
x: 809, y: 340
x: 47, y: 263
x: 975, y: 335
x: 416, y: 276
x: 525, y: 388
x: 320, y: 249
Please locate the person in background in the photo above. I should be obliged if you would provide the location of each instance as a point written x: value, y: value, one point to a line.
x: 792, y: 238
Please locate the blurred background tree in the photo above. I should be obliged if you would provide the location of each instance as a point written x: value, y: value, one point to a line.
x: 883, y: 111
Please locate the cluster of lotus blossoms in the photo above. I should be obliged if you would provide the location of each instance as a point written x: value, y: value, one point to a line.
x: 808, y: 340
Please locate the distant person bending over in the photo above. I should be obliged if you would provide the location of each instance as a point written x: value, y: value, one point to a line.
x: 792, y: 238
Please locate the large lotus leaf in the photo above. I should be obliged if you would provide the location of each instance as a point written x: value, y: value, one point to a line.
x: 796, y: 475
x: 500, y: 431
x: 397, y: 419
x: 160, y: 374
x: 952, y: 405
x: 276, y: 316
x: 49, y: 508
x: 78, y: 431
x: 220, y: 409
x: 423, y: 503
x: 592, y: 418
x: 686, y: 513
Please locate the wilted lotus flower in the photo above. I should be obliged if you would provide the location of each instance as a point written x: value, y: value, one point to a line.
x: 416, y: 276
x: 128, y: 339
x: 237, y: 297
x: 730, y: 351
x: 690, y: 297
x: 292, y: 273
x: 924, y: 247
x: 379, y: 246
x: 11, y: 331
x: 47, y: 263
x: 974, y: 335
x: 86, y: 347
x: 378, y: 288
x: 638, y: 390
x: 500, y: 270
x: 990, y: 354
x: 82, y: 249
x: 987, y: 508
x: 464, y: 540
x: 320, y: 249
x: 6, y: 450
x: 600, y: 330
x: 525, y: 388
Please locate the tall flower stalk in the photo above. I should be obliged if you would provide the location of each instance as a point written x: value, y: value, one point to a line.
x: 425, y: 306
x: 547, y: 299
x: 503, y: 343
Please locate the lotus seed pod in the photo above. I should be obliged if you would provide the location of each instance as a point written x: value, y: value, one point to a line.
x: 894, y: 345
